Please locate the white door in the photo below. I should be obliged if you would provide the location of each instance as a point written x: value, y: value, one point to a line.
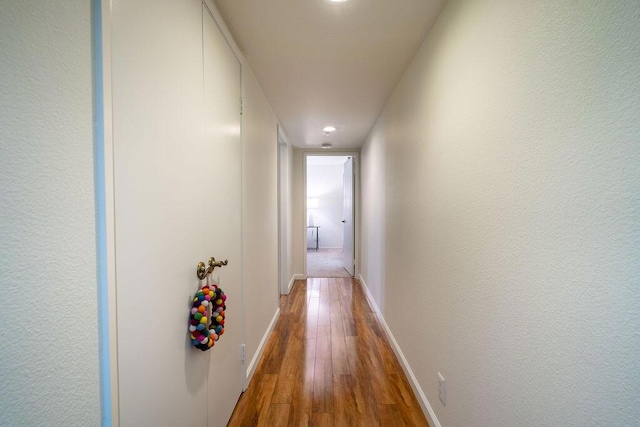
x: 177, y: 189
x: 348, y: 217
x: 222, y: 191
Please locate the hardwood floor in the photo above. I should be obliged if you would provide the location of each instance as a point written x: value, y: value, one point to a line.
x: 328, y: 363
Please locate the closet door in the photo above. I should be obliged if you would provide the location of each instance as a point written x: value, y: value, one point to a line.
x: 177, y: 189
x: 223, y: 202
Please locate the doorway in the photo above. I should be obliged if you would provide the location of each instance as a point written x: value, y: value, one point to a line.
x: 330, y: 231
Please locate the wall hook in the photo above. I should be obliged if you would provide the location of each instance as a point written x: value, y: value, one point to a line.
x: 203, y: 271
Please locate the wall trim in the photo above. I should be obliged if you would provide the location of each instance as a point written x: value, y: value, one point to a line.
x: 299, y: 277
x: 422, y: 398
x: 256, y: 357
x: 105, y: 211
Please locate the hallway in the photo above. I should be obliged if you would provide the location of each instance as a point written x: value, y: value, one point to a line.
x: 328, y: 363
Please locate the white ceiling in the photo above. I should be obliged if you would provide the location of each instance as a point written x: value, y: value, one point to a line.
x: 322, y: 63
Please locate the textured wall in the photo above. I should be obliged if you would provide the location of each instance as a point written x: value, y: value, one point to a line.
x: 512, y: 178
x: 260, y: 212
x: 48, y: 289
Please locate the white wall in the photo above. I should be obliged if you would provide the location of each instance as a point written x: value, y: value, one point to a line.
x: 285, y: 164
x: 299, y: 218
x: 49, y: 363
x: 372, y: 221
x: 260, y: 212
x: 325, y: 182
x: 509, y: 153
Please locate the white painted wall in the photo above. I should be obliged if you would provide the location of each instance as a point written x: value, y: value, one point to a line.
x: 510, y: 156
x: 260, y: 212
x: 299, y: 218
x: 372, y: 221
x: 324, y: 182
x: 49, y: 363
x: 286, y: 175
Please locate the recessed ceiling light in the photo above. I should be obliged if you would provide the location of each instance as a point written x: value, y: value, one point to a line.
x: 337, y: 1
x: 326, y: 146
x: 329, y: 129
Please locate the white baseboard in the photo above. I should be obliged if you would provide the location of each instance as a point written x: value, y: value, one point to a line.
x: 299, y: 277
x: 422, y: 398
x: 263, y: 343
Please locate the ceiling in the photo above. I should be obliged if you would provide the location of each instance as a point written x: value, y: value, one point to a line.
x: 322, y: 63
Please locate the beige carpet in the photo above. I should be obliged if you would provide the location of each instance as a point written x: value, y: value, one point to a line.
x: 325, y: 263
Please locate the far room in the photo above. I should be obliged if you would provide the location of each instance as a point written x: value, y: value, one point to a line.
x: 330, y: 228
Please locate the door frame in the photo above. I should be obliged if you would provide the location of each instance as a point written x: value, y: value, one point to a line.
x: 105, y: 212
x: 356, y: 202
x: 284, y: 214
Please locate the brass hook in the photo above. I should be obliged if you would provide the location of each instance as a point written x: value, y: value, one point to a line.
x: 202, y: 271
x: 213, y: 264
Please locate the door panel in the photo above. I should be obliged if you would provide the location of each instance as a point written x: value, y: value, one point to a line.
x: 222, y: 202
x: 348, y: 217
x: 177, y: 189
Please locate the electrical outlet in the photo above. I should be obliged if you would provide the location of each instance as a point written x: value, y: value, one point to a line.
x: 442, y: 389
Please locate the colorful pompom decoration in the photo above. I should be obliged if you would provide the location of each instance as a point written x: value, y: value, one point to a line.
x: 206, y: 319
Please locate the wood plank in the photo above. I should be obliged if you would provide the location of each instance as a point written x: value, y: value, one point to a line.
x: 324, y: 311
x: 345, y: 402
x: 334, y: 295
x: 337, y: 327
x: 302, y: 396
x: 272, y: 356
x: 299, y: 418
x: 283, y: 393
x: 322, y: 420
x: 348, y: 322
x: 389, y: 415
x: 312, y: 318
x: 323, y: 386
x: 339, y: 358
x: 278, y: 415
x: 352, y: 353
x: 323, y: 346
x: 313, y: 288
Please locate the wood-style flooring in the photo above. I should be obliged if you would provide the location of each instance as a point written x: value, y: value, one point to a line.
x: 328, y: 363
